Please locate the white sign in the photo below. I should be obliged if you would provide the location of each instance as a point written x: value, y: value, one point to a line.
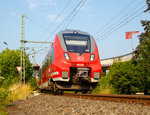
x: 19, y: 68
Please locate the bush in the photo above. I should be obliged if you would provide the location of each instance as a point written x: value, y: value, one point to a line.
x: 8, y: 82
x: 3, y: 100
x: 33, y: 82
x: 104, y: 86
x: 125, y: 77
x: 9, y: 60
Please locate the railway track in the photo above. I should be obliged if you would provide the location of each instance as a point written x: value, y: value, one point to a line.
x: 139, y: 99
x: 47, y: 103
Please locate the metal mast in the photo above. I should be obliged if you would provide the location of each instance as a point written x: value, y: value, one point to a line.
x: 22, y: 57
x: 22, y: 48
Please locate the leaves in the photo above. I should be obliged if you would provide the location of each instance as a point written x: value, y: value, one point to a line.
x: 9, y: 60
x: 148, y: 5
x: 133, y: 76
x: 125, y: 77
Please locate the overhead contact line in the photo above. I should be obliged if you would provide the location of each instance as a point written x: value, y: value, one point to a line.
x: 121, y: 24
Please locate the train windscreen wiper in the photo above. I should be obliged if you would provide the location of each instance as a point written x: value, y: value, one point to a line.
x: 82, y: 51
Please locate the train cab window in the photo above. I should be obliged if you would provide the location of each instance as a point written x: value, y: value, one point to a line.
x: 78, y: 43
x: 52, y: 53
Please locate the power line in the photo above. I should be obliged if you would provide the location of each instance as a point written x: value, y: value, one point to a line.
x: 47, y: 29
x: 36, y: 23
x: 114, y: 25
x: 115, y: 16
x: 120, y: 26
x: 118, y: 23
x: 75, y: 14
x: 71, y: 13
x: 57, y: 17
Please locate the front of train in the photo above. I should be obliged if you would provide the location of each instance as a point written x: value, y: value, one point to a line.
x: 76, y: 61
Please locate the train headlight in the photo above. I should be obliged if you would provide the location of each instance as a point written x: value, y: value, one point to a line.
x: 92, y: 57
x: 67, y: 56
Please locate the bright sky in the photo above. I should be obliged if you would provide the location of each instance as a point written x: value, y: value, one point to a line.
x: 106, y: 20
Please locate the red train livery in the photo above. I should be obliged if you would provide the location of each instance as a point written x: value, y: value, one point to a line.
x: 72, y: 63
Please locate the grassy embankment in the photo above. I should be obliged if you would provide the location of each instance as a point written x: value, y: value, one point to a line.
x: 104, y: 86
x: 15, y: 92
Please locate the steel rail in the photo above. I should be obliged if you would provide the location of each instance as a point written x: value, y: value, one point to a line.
x: 140, y: 99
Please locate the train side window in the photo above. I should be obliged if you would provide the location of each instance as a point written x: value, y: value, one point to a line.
x: 52, y: 53
x: 47, y: 62
x: 42, y: 70
x: 44, y: 66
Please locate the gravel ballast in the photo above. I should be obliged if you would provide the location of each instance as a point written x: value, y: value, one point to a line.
x: 60, y: 105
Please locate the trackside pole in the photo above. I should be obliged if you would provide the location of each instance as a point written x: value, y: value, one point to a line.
x: 132, y: 46
x: 22, y: 49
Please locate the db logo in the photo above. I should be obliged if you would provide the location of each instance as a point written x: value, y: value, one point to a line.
x: 80, y: 58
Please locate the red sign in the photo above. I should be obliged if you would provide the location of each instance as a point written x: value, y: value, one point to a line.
x: 135, y: 32
x: 19, y: 68
x: 129, y: 34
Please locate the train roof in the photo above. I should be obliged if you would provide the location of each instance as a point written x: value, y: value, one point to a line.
x: 72, y: 31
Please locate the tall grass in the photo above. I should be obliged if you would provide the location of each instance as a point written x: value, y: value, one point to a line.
x: 104, y: 86
x: 3, y: 100
x: 20, y: 91
x: 15, y: 92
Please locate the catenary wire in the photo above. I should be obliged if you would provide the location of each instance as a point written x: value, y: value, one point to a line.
x: 117, y: 24
x: 71, y: 13
x: 56, y: 18
x: 120, y: 26
x: 35, y: 23
x: 75, y: 14
x: 114, y: 25
x: 115, y: 17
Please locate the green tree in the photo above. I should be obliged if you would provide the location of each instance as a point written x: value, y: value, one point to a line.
x: 148, y: 6
x: 9, y: 60
x: 125, y: 77
x: 142, y: 53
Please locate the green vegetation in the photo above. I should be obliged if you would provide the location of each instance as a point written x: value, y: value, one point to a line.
x: 104, y: 86
x: 19, y: 91
x: 3, y: 100
x: 33, y: 82
x: 131, y: 76
x: 9, y: 60
x: 125, y: 77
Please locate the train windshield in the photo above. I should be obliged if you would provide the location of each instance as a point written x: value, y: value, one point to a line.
x: 78, y: 43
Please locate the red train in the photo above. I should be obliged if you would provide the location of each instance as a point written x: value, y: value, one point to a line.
x: 72, y: 63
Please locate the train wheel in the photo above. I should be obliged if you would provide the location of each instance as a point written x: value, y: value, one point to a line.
x: 76, y: 92
x: 42, y: 90
x: 85, y: 92
x: 60, y: 92
x: 89, y: 91
x: 54, y: 89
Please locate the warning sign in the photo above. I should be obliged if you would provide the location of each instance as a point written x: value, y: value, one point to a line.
x: 19, y: 68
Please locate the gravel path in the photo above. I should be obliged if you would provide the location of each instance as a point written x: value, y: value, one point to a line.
x: 59, y: 105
